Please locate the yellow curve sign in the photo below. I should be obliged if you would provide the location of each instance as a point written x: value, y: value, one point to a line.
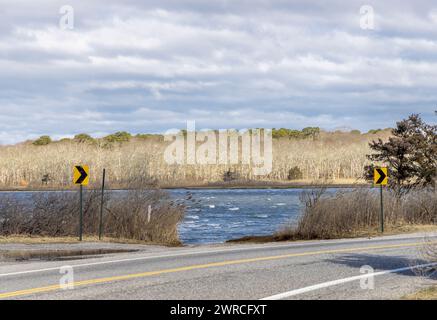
x: 380, y: 176
x: 81, y: 175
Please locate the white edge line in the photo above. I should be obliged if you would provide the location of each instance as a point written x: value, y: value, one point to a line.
x: 342, y: 281
x: 2, y: 275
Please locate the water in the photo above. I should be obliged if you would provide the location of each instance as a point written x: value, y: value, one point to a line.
x: 225, y: 214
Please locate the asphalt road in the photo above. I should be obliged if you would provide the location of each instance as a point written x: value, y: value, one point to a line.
x: 294, y: 270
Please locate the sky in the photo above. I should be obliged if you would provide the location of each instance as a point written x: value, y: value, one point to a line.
x: 150, y: 66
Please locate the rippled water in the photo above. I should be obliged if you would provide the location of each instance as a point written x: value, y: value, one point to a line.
x: 225, y: 214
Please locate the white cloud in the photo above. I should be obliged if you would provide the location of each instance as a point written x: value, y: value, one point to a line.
x: 148, y: 66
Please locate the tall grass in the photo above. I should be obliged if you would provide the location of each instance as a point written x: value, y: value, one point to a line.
x: 333, y: 156
x: 126, y: 215
x: 348, y: 213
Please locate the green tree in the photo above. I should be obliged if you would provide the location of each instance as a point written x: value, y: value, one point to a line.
x: 410, y: 155
x: 83, y: 138
x: 42, y: 141
x: 312, y: 132
x: 121, y: 136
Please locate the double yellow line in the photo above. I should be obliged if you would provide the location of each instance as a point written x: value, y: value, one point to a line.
x: 200, y: 266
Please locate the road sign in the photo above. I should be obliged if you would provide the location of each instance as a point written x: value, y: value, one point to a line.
x: 81, y: 175
x: 380, y: 176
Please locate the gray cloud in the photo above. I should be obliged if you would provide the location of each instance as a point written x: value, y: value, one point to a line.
x: 148, y: 66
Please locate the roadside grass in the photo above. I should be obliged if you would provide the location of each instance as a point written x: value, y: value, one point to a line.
x: 356, y: 213
x: 286, y: 235
x: 425, y: 294
x: 29, y: 239
x: 140, y: 215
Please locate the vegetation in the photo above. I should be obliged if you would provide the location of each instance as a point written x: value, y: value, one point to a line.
x: 84, y: 138
x: 356, y: 213
x: 295, y: 174
x: 312, y: 132
x: 346, y: 214
x: 42, y: 141
x: 126, y: 215
x: 410, y: 153
x: 121, y: 136
x: 337, y: 157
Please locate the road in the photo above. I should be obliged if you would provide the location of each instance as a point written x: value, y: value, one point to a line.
x: 292, y: 270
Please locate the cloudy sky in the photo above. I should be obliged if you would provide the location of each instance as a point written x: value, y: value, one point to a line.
x: 149, y: 66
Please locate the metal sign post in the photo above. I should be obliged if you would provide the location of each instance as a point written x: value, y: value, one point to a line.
x: 81, y: 177
x: 81, y: 213
x: 101, y: 206
x: 382, y: 211
x: 380, y: 177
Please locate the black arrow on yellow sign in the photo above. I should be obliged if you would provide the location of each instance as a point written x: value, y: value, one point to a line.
x: 81, y: 175
x: 381, y: 176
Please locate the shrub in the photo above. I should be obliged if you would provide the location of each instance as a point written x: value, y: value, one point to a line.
x: 126, y: 215
x: 229, y: 176
x: 295, y: 174
x: 121, y: 136
x: 348, y: 213
x: 312, y: 132
x: 84, y: 138
x: 42, y: 141
x: 144, y: 135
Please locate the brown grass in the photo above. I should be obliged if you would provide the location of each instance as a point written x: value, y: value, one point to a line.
x: 356, y: 213
x: 337, y: 157
x: 425, y: 294
x: 126, y: 216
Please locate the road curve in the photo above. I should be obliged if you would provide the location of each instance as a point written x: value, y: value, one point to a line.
x: 334, y: 269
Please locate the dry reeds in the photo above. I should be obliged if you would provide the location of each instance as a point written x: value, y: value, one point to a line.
x: 140, y: 214
x: 348, y: 213
x: 333, y: 156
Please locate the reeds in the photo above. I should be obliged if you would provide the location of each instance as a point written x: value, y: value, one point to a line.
x: 142, y: 214
x: 348, y: 213
x: 337, y: 157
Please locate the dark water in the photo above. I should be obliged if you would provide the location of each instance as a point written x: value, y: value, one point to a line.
x: 224, y: 214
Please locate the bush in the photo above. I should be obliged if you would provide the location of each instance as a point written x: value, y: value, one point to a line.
x: 121, y: 136
x: 312, y: 132
x: 374, y: 131
x: 42, y: 141
x: 348, y: 213
x: 295, y: 174
x: 229, y: 176
x: 144, y: 135
x: 84, y: 138
x: 56, y: 214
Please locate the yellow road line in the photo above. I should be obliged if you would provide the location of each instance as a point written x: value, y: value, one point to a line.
x: 202, y: 266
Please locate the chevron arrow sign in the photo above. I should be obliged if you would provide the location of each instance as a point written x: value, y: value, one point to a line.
x: 380, y: 176
x: 81, y: 175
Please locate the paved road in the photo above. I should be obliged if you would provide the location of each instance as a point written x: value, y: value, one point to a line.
x: 299, y: 270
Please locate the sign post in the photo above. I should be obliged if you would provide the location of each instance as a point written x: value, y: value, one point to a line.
x: 101, y: 205
x: 81, y: 212
x: 81, y: 177
x: 380, y: 177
